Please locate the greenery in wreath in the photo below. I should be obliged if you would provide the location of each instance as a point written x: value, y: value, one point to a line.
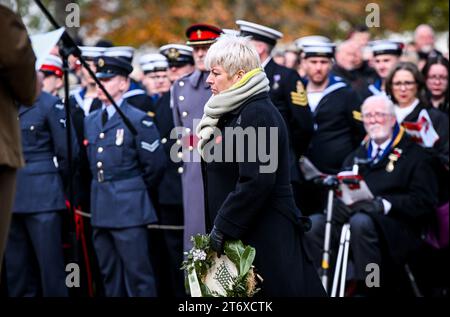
x: 231, y: 275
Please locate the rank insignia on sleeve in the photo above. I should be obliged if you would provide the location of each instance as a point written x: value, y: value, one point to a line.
x: 299, y: 97
x: 357, y: 115
x: 147, y: 123
x: 150, y: 147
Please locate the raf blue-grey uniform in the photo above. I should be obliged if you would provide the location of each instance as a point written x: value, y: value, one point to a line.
x: 34, y: 255
x: 124, y: 168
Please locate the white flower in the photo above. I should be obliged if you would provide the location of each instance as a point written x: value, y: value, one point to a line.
x: 199, y: 255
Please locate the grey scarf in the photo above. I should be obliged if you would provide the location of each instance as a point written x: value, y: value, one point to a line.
x: 254, y: 82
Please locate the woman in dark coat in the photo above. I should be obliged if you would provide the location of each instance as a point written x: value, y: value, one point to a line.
x: 405, y: 85
x: 247, y: 181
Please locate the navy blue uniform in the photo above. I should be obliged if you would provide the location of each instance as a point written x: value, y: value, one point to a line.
x: 34, y: 245
x: 124, y: 168
x: 338, y: 130
x: 288, y: 95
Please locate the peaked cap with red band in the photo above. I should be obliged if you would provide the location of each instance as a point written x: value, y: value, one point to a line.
x: 202, y: 34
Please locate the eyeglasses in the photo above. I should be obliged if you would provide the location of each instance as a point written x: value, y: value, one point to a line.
x: 379, y: 116
x: 406, y: 84
x: 437, y: 78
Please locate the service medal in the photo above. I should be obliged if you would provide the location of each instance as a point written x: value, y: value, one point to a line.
x: 119, y: 137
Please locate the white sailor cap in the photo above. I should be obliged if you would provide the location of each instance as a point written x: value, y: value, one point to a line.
x: 259, y: 32
x: 153, y: 63
x: 125, y: 52
x: 310, y: 39
x: 318, y: 49
x: 91, y: 52
x: 52, y: 65
x: 381, y: 47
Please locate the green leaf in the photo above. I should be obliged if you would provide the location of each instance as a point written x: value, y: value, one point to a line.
x: 234, y: 250
x: 246, y: 260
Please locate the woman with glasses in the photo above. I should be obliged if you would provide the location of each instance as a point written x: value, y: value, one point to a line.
x: 435, y: 72
x: 406, y: 87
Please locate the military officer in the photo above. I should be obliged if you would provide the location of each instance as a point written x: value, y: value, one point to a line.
x: 338, y: 128
x: 125, y: 167
x: 189, y: 95
x: 286, y: 92
x: 84, y: 99
x: 386, y: 54
x: 135, y: 94
x: 155, y: 80
x: 179, y: 58
x: 34, y: 255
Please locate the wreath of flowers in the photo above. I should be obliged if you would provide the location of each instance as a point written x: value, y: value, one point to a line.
x: 201, y: 258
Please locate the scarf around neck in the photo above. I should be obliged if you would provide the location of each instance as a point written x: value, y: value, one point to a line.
x: 253, y: 83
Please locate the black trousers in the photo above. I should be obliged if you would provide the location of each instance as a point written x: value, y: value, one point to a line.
x: 364, y: 242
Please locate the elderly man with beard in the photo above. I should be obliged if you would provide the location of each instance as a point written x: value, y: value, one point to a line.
x: 400, y: 176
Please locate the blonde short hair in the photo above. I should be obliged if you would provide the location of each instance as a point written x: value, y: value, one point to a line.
x: 233, y: 53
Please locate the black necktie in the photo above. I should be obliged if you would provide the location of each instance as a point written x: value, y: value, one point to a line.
x: 104, y: 117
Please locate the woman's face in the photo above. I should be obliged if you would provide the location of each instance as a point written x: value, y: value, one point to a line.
x: 220, y: 80
x: 437, y: 80
x: 404, y: 87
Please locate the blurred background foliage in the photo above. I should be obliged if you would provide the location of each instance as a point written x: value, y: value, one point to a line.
x: 156, y: 22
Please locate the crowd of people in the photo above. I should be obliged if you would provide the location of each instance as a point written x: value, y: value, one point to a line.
x: 144, y: 182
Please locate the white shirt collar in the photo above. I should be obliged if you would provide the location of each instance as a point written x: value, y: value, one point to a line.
x: 375, y: 147
x: 402, y: 113
x: 264, y: 64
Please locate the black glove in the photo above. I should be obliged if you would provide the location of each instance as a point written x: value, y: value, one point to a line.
x: 370, y: 206
x: 217, y: 240
x: 341, y: 212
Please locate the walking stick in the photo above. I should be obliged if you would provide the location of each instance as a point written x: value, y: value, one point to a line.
x: 330, y: 182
